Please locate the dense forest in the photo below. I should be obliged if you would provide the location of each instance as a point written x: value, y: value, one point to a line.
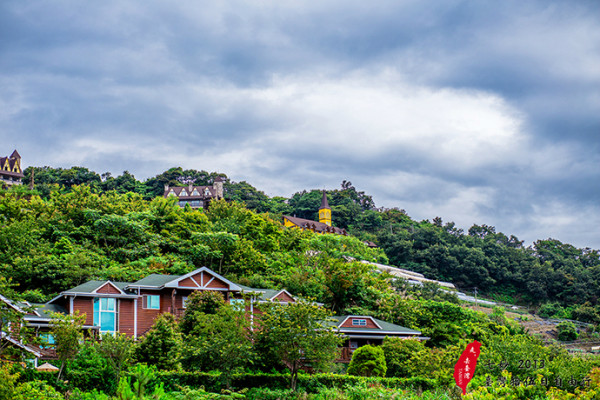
x: 75, y: 225
x: 562, y: 279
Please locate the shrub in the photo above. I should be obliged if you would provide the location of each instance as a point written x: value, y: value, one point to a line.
x: 161, y: 346
x: 566, y: 331
x: 368, y: 361
x: 402, y: 356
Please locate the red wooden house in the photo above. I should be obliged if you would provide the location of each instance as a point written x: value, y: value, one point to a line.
x: 132, y: 307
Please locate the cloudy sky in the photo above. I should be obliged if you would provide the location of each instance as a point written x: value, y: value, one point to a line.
x: 474, y: 111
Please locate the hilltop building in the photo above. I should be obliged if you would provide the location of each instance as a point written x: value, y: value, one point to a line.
x: 323, y: 226
x: 196, y: 196
x: 10, y: 170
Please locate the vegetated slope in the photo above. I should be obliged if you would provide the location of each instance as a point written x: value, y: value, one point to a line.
x: 498, y: 265
x: 49, y: 245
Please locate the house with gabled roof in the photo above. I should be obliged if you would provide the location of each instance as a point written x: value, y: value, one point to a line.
x: 132, y: 307
x: 11, y: 172
x: 196, y: 196
x: 362, y: 330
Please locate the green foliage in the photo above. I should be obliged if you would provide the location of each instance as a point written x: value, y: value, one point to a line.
x: 90, y: 369
x: 200, y: 302
x: 67, y: 332
x: 221, y: 341
x: 297, y: 335
x: 35, y: 390
x: 566, y: 331
x: 554, y: 310
x: 161, y: 346
x: 403, y: 356
x: 368, y: 361
x: 118, y: 351
x: 7, y: 382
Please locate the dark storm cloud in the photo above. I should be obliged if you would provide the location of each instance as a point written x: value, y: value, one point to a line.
x: 475, y: 111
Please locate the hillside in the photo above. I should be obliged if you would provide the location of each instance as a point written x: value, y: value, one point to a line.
x: 498, y: 265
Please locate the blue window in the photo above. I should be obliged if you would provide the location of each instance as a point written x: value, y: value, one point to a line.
x: 237, y: 304
x: 152, y: 302
x: 105, y: 314
x: 359, y: 322
x: 47, y: 340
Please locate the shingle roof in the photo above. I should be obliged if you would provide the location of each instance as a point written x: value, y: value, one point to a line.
x: 45, y: 311
x: 315, y: 225
x: 204, y: 192
x: 155, y: 280
x: 385, y: 326
x: 90, y: 286
x: 264, y: 294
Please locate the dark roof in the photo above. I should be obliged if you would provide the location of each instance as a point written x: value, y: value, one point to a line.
x: 44, y: 311
x: 12, y: 160
x: 204, y: 192
x: 324, y: 203
x: 263, y: 294
x: 315, y: 225
x: 90, y: 286
x: 155, y: 280
x: 385, y: 326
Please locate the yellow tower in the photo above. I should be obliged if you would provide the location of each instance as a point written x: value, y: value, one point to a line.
x: 325, y: 211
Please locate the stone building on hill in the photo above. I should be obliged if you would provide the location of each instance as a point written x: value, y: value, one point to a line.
x: 196, y: 196
x: 11, y: 172
x: 324, y: 225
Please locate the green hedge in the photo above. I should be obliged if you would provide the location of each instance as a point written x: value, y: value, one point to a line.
x: 311, y: 383
x: 213, y: 382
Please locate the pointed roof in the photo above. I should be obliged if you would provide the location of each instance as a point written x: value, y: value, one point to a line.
x: 324, y: 203
x: 15, y: 154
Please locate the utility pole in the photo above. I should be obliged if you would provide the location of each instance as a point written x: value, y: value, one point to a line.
x: 476, y: 296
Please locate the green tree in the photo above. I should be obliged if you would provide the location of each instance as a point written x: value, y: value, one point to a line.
x: 299, y: 335
x: 67, y: 332
x: 118, y: 351
x: 161, y: 346
x: 220, y: 341
x: 200, y: 302
x: 368, y: 361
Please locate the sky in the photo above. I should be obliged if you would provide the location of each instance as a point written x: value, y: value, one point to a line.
x: 479, y: 112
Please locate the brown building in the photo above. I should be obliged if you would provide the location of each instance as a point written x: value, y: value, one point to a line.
x: 324, y: 225
x: 10, y: 170
x: 132, y: 307
x: 196, y: 196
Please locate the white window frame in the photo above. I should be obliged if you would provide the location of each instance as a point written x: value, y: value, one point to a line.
x: 238, y: 304
x: 146, y: 302
x: 101, y: 311
x: 359, y: 322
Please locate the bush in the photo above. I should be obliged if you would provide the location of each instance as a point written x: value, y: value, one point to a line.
x: 402, y: 356
x: 161, y: 346
x: 212, y: 382
x: 566, y: 331
x: 368, y: 361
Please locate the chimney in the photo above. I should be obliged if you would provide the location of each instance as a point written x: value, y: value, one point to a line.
x: 31, y: 182
x: 218, y: 187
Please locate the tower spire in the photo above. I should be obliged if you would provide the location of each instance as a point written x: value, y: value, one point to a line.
x: 325, y: 210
